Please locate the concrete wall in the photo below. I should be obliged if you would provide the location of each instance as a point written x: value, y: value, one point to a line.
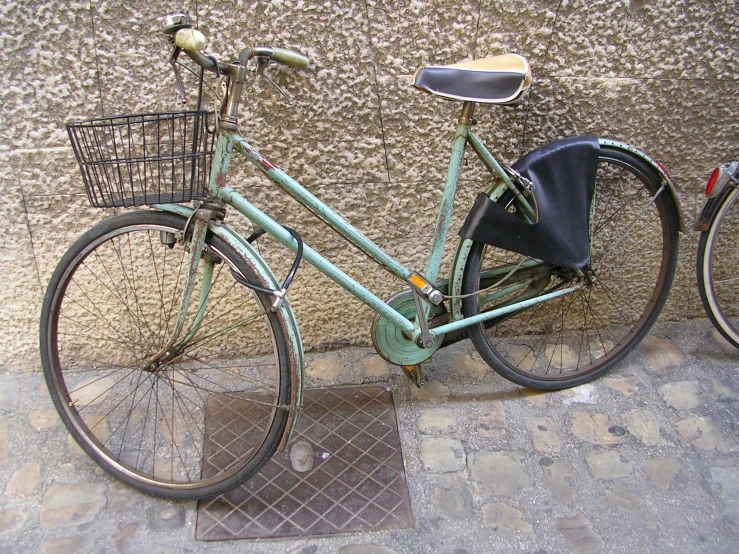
x: 659, y: 74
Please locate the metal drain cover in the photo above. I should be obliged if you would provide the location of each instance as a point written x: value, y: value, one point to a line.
x: 357, y: 482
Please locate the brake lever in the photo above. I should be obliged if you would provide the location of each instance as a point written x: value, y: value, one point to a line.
x: 262, y: 63
x: 178, y: 78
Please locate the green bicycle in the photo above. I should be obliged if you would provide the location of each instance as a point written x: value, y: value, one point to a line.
x: 156, y: 318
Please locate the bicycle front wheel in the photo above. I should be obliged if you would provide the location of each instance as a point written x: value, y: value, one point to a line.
x: 208, y: 412
x: 574, y: 338
x: 718, y: 280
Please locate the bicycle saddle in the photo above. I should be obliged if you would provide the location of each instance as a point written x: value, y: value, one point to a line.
x: 495, y: 80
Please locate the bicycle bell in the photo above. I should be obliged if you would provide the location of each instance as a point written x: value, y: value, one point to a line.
x: 174, y: 22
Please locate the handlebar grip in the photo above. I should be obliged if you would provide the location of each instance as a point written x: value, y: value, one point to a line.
x: 190, y: 39
x: 289, y: 57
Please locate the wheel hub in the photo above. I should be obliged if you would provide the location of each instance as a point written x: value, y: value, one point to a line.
x: 153, y: 365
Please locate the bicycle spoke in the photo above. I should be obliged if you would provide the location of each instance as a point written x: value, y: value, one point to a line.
x: 231, y: 374
x: 583, y: 333
x: 146, y: 419
x: 110, y: 282
x: 724, y: 281
x: 105, y: 416
x: 568, y: 341
x: 208, y: 338
x: 563, y: 311
x: 160, y: 283
x: 123, y: 302
x: 179, y: 398
x: 107, y: 339
x: 622, y: 301
x: 183, y: 375
x: 628, y: 229
x: 130, y: 411
x: 97, y: 315
x: 102, y: 394
x: 173, y: 445
x: 234, y: 395
x: 132, y: 282
x: 138, y: 407
x: 599, y: 322
x: 625, y: 205
x: 175, y: 296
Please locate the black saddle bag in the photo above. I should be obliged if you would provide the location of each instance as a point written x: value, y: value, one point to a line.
x: 563, y: 173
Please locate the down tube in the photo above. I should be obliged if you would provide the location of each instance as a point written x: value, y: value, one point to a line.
x: 321, y: 210
x: 314, y: 258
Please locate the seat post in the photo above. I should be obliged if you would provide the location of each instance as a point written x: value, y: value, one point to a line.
x: 468, y: 111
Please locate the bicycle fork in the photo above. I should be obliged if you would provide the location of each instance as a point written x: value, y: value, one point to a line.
x: 199, y: 221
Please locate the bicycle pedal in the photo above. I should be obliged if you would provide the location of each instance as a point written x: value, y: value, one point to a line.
x: 415, y: 374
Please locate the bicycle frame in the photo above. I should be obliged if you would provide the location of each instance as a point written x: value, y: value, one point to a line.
x: 229, y: 141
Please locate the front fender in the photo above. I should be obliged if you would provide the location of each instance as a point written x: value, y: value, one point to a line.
x: 286, y: 314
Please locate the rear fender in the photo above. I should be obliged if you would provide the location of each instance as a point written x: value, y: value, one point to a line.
x: 658, y: 168
x: 710, y: 208
x: 721, y: 188
x: 464, y: 245
x: 286, y: 314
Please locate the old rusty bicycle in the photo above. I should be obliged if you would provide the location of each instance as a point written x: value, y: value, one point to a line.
x: 165, y: 326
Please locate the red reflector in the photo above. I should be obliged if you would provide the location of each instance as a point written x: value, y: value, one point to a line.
x: 712, y: 180
x: 663, y: 169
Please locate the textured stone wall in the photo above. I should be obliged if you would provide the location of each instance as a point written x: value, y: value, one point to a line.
x: 659, y: 74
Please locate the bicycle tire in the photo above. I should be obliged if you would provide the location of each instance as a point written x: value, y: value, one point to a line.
x: 572, y: 339
x: 718, y: 284
x: 109, y: 307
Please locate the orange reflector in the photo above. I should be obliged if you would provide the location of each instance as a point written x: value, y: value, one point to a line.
x: 712, y: 180
x: 417, y: 280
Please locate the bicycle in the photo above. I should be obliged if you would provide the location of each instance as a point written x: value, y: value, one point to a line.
x: 716, y: 265
x: 154, y: 318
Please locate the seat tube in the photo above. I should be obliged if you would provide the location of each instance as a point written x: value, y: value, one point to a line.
x: 450, y: 190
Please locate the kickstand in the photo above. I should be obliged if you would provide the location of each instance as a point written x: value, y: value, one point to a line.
x: 415, y: 374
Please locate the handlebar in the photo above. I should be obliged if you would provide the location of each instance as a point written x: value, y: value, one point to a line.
x: 281, y: 55
x: 193, y: 41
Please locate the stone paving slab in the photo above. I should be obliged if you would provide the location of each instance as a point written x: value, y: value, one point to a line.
x: 645, y: 459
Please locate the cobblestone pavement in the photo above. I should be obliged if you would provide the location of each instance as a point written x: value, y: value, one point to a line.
x: 645, y: 459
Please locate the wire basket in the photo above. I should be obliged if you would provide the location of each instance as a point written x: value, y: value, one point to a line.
x: 144, y: 159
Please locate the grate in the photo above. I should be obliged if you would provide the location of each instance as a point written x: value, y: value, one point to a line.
x: 357, y: 482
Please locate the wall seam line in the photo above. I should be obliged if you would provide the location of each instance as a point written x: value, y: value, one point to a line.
x: 527, y: 109
x: 477, y: 29
x: 30, y: 234
x: 377, y: 90
x: 97, y: 61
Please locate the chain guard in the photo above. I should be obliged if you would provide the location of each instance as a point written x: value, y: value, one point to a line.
x: 392, y: 344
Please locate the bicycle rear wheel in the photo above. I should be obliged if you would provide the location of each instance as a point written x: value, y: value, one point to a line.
x: 574, y: 338
x: 718, y: 278
x: 110, y: 306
